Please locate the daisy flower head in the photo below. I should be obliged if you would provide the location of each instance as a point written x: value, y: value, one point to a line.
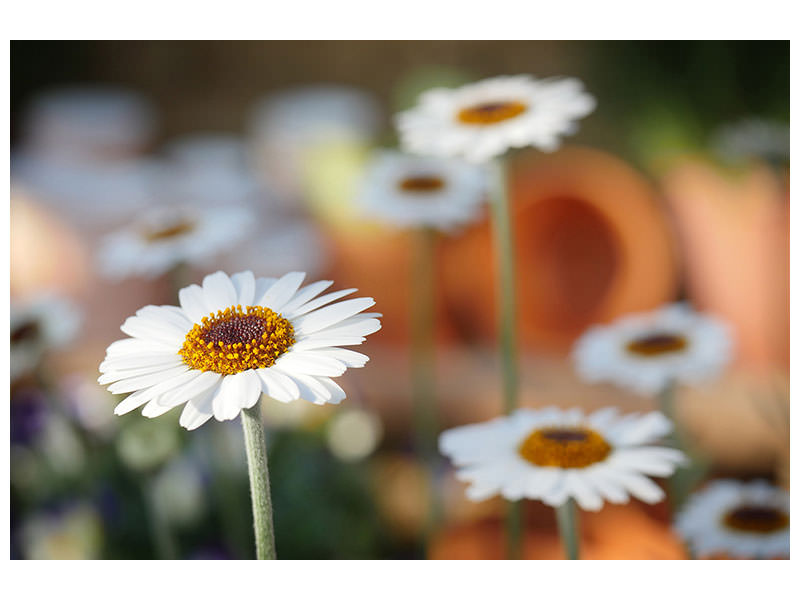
x: 38, y: 324
x: 166, y: 236
x: 646, y: 352
x: 553, y: 455
x: 234, y: 338
x: 481, y: 120
x: 412, y: 191
x: 737, y: 519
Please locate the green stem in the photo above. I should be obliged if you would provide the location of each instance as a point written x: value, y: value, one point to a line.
x: 159, y: 527
x: 256, y: 448
x: 506, y: 303
x: 504, y: 255
x: 567, y: 517
x: 426, y: 426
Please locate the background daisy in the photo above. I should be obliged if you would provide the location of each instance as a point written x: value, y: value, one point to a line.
x: 409, y: 191
x: 646, y: 352
x: 736, y: 519
x: 482, y: 120
x: 553, y: 455
x: 164, y: 237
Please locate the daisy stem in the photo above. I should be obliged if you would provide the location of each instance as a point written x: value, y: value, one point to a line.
x: 676, y: 483
x: 256, y: 448
x: 504, y: 255
x: 422, y: 357
x: 567, y: 517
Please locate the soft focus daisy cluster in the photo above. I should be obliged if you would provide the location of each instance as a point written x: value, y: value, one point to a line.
x: 651, y: 250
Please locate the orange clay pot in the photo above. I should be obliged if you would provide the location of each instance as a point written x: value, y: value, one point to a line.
x: 615, y: 532
x: 591, y: 243
x: 735, y: 231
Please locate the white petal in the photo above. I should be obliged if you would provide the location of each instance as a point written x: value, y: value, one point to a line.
x: 251, y: 388
x: 193, y: 302
x: 638, y: 485
x: 198, y: 410
x: 166, y: 333
x: 281, y: 291
x: 304, y: 295
x: 245, y: 285
x: 226, y: 400
x: 277, y: 385
x: 153, y: 409
x: 132, y: 402
x: 137, y: 361
x: 219, y: 291
x: 117, y: 374
x: 314, y: 341
x: 349, y: 358
x: 351, y: 327
x: 337, y: 393
x: 143, y: 381
x: 197, y: 386
x: 319, y: 302
x: 331, y: 315
x: 310, y: 389
x: 133, y: 346
x: 309, y: 363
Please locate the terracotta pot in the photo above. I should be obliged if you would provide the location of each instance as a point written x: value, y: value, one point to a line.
x: 616, y: 532
x: 591, y: 243
x: 735, y: 231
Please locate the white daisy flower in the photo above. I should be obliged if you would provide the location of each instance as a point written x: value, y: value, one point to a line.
x: 482, y: 120
x: 741, y: 520
x: 232, y: 339
x: 553, y: 455
x: 646, y: 352
x: 411, y: 191
x: 169, y: 235
x: 38, y: 324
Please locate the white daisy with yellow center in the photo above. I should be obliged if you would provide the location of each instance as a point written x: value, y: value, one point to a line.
x: 410, y: 191
x: 553, y: 455
x: 482, y: 120
x: 234, y: 338
x: 737, y: 519
x: 164, y: 237
x: 646, y: 352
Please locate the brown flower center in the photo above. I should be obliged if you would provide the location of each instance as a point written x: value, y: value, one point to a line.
x: 157, y: 234
x: 564, y: 447
x: 489, y: 113
x: 27, y: 330
x: 421, y: 184
x: 658, y: 344
x: 756, y: 519
x: 236, y: 339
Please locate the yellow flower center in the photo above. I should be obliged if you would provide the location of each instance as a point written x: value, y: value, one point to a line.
x: 237, y: 339
x: 421, y: 184
x: 489, y: 113
x: 756, y: 519
x: 157, y: 234
x: 564, y: 447
x: 658, y: 344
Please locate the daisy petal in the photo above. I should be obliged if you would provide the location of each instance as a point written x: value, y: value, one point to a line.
x: 281, y: 291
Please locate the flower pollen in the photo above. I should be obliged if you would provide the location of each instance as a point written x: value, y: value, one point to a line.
x: 657, y: 344
x: 489, y: 113
x: 236, y: 339
x: 564, y: 447
x: 756, y: 519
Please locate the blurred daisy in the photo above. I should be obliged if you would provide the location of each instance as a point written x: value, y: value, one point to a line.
x: 232, y: 339
x: 751, y: 138
x: 553, y: 455
x: 409, y: 191
x: 170, y: 235
x: 647, y: 351
x: 482, y: 120
x: 38, y: 324
x: 740, y: 520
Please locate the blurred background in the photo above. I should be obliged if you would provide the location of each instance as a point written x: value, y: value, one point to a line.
x: 675, y: 188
